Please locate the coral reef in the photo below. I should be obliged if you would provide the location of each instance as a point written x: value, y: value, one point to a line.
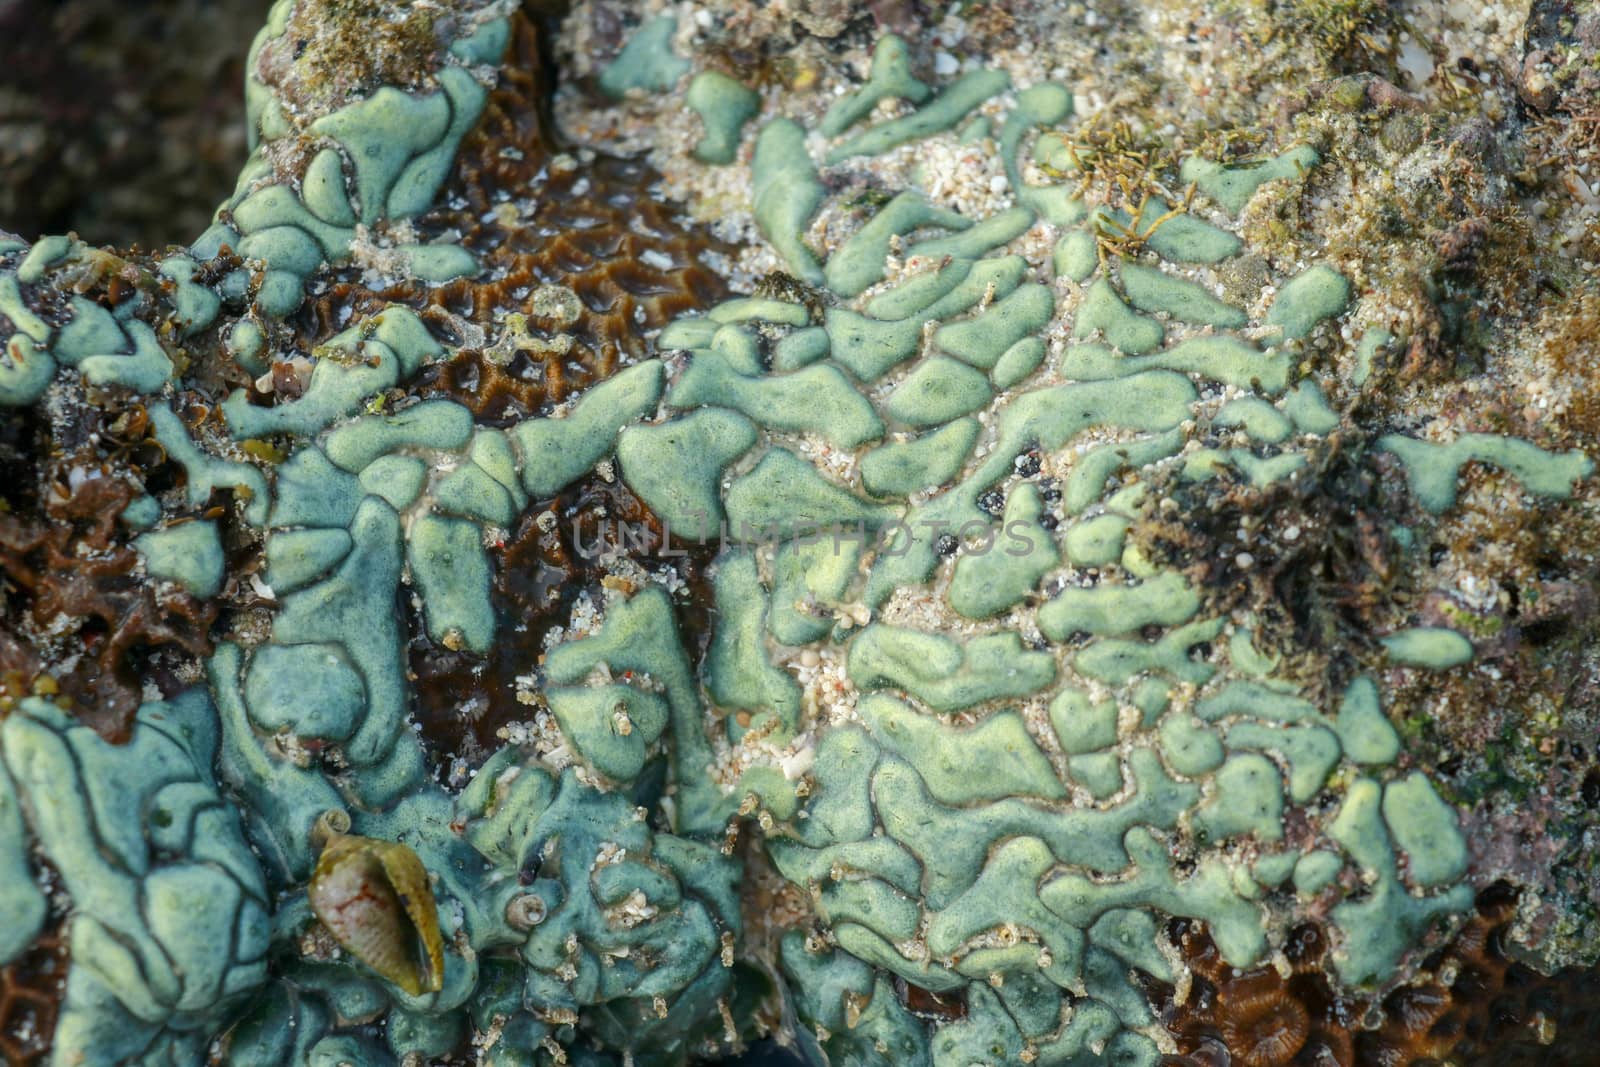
x: 896, y: 563
x: 1479, y: 1007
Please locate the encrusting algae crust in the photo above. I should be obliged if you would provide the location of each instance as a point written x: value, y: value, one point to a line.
x: 1030, y: 536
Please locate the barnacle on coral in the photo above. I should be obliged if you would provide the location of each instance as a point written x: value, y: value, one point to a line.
x: 965, y: 582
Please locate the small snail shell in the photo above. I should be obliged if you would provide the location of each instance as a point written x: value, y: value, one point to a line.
x: 330, y: 824
x: 374, y: 897
x: 526, y: 911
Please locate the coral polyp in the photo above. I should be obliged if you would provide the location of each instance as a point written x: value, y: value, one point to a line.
x: 634, y: 534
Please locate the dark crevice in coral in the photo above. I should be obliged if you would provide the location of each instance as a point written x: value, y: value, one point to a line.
x: 930, y: 1006
x: 33, y: 984
x: 555, y: 555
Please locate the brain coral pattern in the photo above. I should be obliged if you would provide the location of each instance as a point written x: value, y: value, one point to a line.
x: 991, y: 740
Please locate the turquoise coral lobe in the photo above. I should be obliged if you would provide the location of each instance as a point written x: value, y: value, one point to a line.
x: 974, y: 703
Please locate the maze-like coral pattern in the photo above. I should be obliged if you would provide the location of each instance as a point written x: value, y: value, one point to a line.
x: 992, y: 737
x: 171, y: 917
x: 983, y: 814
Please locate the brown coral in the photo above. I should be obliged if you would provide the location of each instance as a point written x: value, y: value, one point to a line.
x: 1261, y: 1024
x: 1473, y: 1006
x: 78, y: 616
x: 541, y: 219
x: 1485, y: 1008
x: 1259, y: 1017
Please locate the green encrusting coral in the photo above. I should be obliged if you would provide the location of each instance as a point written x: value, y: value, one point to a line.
x: 23, y: 908
x: 890, y: 78
x: 859, y: 262
x: 1429, y: 646
x: 647, y: 62
x: 900, y: 468
x: 1008, y: 563
x: 171, y: 921
x: 189, y: 553
x: 1372, y: 949
x: 941, y: 112
x: 1232, y: 186
x: 975, y: 713
x: 937, y: 391
x: 1307, y: 299
x: 1150, y: 290
x: 1365, y: 733
x: 724, y: 106
x: 401, y: 146
x: 1269, y: 748
x: 676, y: 467
x: 786, y: 193
x: 1434, y: 470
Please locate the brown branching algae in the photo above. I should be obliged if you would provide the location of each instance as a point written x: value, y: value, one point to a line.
x: 892, y: 534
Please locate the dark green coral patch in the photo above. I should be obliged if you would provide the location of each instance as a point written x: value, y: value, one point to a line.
x: 676, y: 467
x: 937, y: 391
x: 943, y: 755
x: 900, y: 468
x: 556, y: 452
x: 860, y: 261
x: 938, y: 114
x: 818, y: 399
x: 312, y: 690
x: 983, y: 339
x: 737, y: 672
x: 612, y: 726
x: 944, y: 674
x: 783, y: 495
x: 787, y: 192
x: 1008, y: 563
x: 1164, y: 600
x: 1232, y: 186
x: 724, y: 106
x: 647, y: 62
